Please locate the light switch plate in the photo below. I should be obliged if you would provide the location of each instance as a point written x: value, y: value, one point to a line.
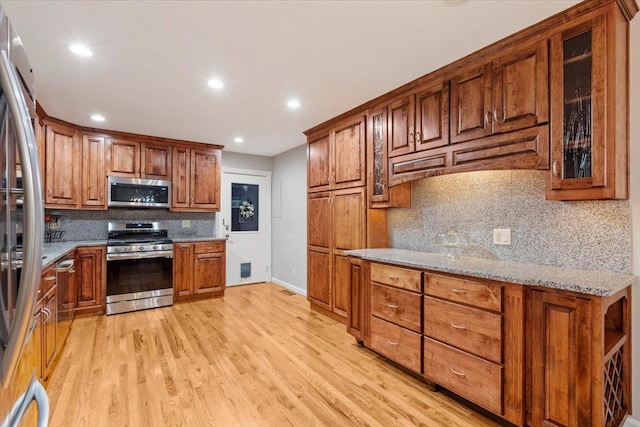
x: 186, y: 223
x: 502, y: 236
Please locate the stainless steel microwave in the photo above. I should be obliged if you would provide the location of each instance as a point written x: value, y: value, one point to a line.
x: 139, y: 193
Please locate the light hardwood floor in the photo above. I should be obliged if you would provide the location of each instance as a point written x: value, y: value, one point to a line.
x: 257, y: 357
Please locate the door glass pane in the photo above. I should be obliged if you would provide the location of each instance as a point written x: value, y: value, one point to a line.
x: 244, y: 207
x: 577, y: 107
x: 378, y: 155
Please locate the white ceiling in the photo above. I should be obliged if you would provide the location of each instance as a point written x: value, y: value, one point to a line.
x: 152, y: 59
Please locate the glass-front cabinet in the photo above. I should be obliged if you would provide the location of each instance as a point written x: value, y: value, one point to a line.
x: 589, y: 111
x: 377, y: 134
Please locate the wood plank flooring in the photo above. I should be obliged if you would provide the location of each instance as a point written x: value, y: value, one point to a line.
x: 257, y: 357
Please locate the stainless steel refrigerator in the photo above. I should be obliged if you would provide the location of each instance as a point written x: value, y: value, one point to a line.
x: 21, y: 226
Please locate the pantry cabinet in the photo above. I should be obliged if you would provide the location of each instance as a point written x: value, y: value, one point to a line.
x: 336, y: 157
x: 196, y: 179
x: 199, y: 270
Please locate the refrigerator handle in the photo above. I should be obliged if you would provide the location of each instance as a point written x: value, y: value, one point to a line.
x: 35, y: 392
x: 33, y: 221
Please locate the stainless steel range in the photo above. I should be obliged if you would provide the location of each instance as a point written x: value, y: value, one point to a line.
x: 139, y: 266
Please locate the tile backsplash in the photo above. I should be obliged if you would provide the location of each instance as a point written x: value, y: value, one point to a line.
x: 594, y: 235
x: 92, y: 225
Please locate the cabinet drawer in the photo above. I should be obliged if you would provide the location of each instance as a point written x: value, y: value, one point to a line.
x: 469, y: 376
x: 397, y: 343
x: 208, y: 247
x: 476, y: 331
x: 397, y: 306
x: 396, y: 276
x: 465, y: 291
x: 47, y: 280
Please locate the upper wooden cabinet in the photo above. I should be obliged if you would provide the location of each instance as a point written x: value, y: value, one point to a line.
x: 196, y: 179
x: 94, y: 177
x: 504, y: 95
x: 589, y: 98
x: 336, y: 159
x: 62, y: 166
x: 138, y: 160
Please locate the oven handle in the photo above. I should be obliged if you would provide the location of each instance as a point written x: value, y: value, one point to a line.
x: 140, y: 255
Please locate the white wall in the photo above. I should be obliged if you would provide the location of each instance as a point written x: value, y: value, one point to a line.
x: 289, y: 223
x: 634, y: 118
x: 246, y: 161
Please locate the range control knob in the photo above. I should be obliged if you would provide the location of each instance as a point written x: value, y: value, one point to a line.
x: 155, y: 248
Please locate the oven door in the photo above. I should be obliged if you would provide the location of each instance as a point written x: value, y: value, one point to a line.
x: 138, y: 283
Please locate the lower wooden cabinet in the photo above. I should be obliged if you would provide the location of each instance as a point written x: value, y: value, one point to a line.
x: 91, y: 279
x: 45, y: 332
x: 199, y: 270
x: 580, y: 359
x: 533, y: 356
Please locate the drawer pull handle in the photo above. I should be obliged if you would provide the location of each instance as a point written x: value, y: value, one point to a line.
x: 392, y: 305
x: 461, y: 374
x: 453, y: 325
x: 393, y: 277
x: 392, y: 342
x: 458, y: 291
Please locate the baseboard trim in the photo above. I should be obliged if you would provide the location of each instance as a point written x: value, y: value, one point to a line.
x: 631, y: 422
x: 292, y: 287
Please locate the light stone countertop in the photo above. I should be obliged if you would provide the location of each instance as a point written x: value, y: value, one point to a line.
x: 52, y: 252
x: 601, y: 283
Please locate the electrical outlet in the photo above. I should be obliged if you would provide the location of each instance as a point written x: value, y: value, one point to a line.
x: 502, y: 236
x: 293, y: 274
x: 186, y: 223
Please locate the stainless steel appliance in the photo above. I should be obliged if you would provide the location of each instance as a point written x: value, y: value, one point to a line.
x: 139, y: 266
x: 20, y: 208
x: 137, y: 192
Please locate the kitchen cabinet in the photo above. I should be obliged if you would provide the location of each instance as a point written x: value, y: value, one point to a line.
x: 66, y: 281
x: 94, y: 177
x: 91, y: 280
x: 47, y: 323
x: 381, y: 195
x: 199, y: 270
x: 196, y: 179
x: 419, y: 120
x: 336, y: 157
x: 506, y: 94
x: 580, y: 361
x: 589, y: 96
x: 336, y: 222
x: 357, y: 305
x: 63, y: 166
x: 138, y: 159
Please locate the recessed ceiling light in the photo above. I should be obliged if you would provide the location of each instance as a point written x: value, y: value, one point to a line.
x: 293, y: 103
x: 238, y: 140
x: 81, y: 50
x: 97, y: 118
x: 216, y: 83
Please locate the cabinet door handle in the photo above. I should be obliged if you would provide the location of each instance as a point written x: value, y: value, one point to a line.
x: 495, y: 115
x: 487, y: 117
x: 453, y: 325
x: 461, y: 374
x: 418, y: 137
x: 458, y: 291
x: 554, y: 168
x: 411, y: 138
x: 392, y: 305
x: 49, y: 278
x: 49, y: 191
x: 395, y: 278
x: 392, y: 342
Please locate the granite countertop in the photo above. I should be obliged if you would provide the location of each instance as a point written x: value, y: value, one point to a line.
x: 184, y: 239
x: 52, y: 252
x: 591, y: 282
